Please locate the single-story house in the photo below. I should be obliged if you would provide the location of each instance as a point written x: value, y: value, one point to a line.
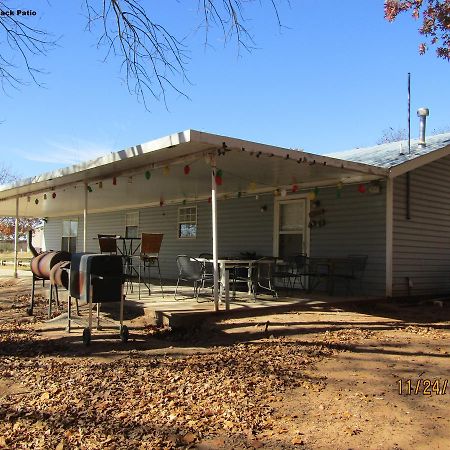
x: 387, y: 202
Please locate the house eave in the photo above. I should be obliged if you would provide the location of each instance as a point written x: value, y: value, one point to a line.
x: 418, y: 162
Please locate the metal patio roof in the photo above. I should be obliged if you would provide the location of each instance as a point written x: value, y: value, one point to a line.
x: 150, y: 173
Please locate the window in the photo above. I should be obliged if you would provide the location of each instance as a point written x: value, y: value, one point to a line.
x: 69, y: 235
x: 290, y: 227
x: 132, y: 224
x: 187, y: 222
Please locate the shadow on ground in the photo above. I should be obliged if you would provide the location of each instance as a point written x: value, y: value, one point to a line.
x: 230, y: 328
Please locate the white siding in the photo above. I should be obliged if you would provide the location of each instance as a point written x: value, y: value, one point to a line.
x: 52, y: 234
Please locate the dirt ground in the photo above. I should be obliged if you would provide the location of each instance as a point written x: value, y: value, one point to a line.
x: 350, y: 376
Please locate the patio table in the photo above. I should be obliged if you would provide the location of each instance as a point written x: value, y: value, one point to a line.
x: 226, y: 264
x: 127, y: 250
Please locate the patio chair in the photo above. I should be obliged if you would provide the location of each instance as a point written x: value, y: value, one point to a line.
x: 265, y: 270
x: 349, y: 270
x: 107, y: 243
x: 357, y: 268
x: 191, y: 270
x: 149, y: 257
x: 302, y: 270
x: 316, y: 271
x: 208, y: 268
x: 295, y: 268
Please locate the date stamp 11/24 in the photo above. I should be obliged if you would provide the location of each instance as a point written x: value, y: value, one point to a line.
x: 422, y: 386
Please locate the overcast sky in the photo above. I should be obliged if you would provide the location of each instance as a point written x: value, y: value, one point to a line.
x: 333, y: 78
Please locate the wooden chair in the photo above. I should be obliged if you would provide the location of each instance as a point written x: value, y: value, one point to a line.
x: 107, y: 243
x: 149, y: 257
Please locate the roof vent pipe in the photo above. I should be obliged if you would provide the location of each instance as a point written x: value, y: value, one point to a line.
x: 422, y: 113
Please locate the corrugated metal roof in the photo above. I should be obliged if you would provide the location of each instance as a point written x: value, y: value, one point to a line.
x: 394, y: 153
x: 242, y: 162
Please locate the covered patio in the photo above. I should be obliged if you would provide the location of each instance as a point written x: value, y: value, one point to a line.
x: 222, y: 174
x: 185, y: 314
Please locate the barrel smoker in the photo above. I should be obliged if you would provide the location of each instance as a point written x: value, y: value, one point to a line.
x: 42, y: 265
x: 96, y: 278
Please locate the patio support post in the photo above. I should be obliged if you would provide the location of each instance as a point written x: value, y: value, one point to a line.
x: 389, y: 234
x: 85, y: 216
x: 214, y: 232
x: 16, y: 237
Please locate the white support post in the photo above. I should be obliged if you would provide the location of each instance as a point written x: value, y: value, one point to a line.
x: 214, y: 232
x: 85, y: 217
x: 16, y: 238
x: 389, y: 235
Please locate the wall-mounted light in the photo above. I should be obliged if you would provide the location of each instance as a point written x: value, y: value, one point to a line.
x: 374, y: 187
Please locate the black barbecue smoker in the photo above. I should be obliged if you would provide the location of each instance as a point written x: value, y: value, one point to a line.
x: 96, y: 278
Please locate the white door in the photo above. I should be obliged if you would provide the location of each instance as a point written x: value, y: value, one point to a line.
x: 291, y: 230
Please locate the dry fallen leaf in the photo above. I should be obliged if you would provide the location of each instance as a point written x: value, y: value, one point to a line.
x: 188, y: 438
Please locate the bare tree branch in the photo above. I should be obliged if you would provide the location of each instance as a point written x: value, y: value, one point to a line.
x: 392, y: 135
x: 18, y: 38
x: 401, y: 134
x: 151, y: 55
x: 153, y: 59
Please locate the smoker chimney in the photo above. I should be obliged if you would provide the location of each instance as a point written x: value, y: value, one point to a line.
x: 422, y: 113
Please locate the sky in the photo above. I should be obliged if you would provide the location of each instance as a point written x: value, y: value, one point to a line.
x: 332, y: 78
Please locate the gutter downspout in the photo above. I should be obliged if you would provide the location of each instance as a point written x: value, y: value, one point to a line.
x: 389, y: 234
x: 16, y: 238
x: 214, y: 232
x: 85, y: 217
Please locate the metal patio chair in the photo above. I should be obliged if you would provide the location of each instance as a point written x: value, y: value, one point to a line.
x: 315, y: 272
x: 191, y: 270
x: 149, y: 257
x: 265, y: 270
x: 301, y: 270
x: 295, y: 268
x: 357, y: 268
x: 208, y: 268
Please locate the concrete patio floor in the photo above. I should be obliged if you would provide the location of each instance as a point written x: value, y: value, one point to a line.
x: 187, y: 310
